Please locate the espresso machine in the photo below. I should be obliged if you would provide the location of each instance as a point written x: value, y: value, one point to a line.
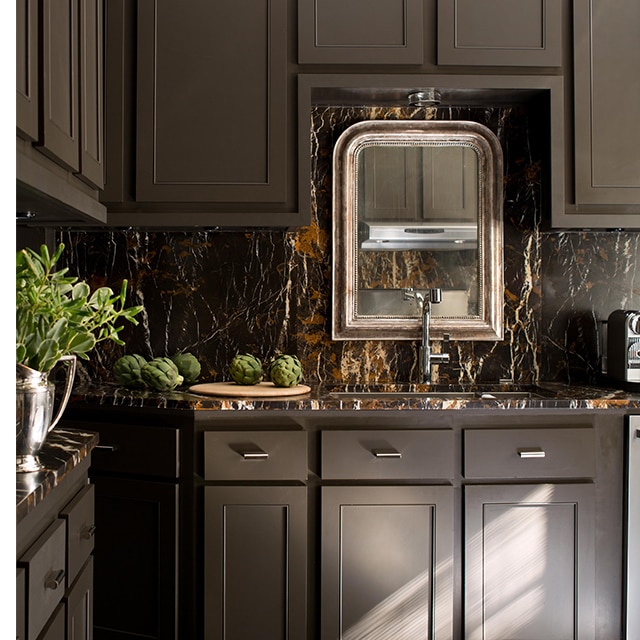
x: 623, y: 349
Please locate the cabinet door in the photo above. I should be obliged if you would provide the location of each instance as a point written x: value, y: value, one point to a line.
x: 529, y: 562
x: 607, y: 135
x: 212, y: 97
x: 91, y: 92
x: 135, y: 559
x: 360, y: 31
x: 27, y: 69
x: 500, y: 32
x: 387, y: 563
x: 60, y: 123
x: 79, y: 602
x: 255, y: 563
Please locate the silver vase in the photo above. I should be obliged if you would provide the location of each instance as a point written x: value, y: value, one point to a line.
x: 35, y: 399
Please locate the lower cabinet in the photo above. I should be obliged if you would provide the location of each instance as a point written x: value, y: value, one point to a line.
x: 255, y: 559
x: 387, y: 569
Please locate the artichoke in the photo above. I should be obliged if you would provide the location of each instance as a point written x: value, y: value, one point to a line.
x: 285, y: 371
x: 161, y: 374
x: 188, y: 366
x: 246, y: 369
x: 127, y: 371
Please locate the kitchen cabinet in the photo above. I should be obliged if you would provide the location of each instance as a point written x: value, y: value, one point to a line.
x: 59, y: 111
x: 214, y: 138
x: 606, y: 49
x: 255, y: 536
x: 137, y: 563
x: 54, y: 545
x: 500, y: 32
x: 367, y: 32
x: 387, y: 551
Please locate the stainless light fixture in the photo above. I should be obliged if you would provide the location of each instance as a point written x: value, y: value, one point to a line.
x: 424, y: 98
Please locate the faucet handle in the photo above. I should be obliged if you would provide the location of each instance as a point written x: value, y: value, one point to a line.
x: 435, y: 295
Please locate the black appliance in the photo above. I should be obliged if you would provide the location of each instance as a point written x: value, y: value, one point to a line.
x: 623, y: 348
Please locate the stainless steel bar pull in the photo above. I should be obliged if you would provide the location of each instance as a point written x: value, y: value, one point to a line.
x: 256, y: 454
x: 54, y: 581
x: 531, y: 453
x: 386, y: 453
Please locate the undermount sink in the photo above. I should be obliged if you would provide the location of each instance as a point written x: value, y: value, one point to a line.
x: 435, y: 394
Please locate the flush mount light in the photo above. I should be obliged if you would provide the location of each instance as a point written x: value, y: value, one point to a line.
x: 424, y: 98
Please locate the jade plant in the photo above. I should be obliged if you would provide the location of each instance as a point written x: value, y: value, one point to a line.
x: 58, y: 315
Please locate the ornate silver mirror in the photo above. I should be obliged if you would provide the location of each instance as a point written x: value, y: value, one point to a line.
x: 417, y: 204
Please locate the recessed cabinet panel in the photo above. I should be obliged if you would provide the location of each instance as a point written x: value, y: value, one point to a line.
x: 529, y: 562
x: 387, y: 562
x: 255, y: 563
x: 607, y: 136
x: 360, y: 31
x: 211, y: 101
x: 79, y: 514
x: 499, y: 32
x: 60, y: 139
x: 27, y: 69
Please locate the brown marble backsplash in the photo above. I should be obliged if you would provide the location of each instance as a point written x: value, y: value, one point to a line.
x: 217, y: 293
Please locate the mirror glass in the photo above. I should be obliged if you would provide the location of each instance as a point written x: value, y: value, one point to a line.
x: 417, y: 204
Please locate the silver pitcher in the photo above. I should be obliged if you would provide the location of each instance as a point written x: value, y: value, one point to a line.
x: 35, y: 398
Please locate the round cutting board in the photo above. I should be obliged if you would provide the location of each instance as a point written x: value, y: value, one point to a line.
x: 261, y: 390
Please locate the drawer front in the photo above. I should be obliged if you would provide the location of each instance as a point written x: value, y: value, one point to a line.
x: 387, y: 455
x: 529, y: 453
x: 44, y: 562
x: 124, y: 448
x: 79, y: 514
x: 255, y: 455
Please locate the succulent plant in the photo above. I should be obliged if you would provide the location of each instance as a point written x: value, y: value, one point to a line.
x: 127, y: 371
x: 246, y: 369
x: 285, y: 371
x: 188, y: 366
x: 161, y: 374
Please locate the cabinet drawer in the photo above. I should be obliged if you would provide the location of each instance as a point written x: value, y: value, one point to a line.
x: 529, y: 453
x: 387, y: 455
x: 44, y: 562
x: 148, y: 451
x: 79, y: 514
x: 255, y: 455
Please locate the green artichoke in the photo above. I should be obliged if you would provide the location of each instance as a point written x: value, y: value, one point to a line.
x: 127, y: 371
x: 285, y: 371
x: 246, y: 369
x: 188, y: 366
x: 161, y: 374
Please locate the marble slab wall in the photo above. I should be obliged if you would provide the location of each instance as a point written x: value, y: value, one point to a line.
x: 217, y: 293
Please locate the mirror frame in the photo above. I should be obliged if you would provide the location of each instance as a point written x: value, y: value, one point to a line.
x: 346, y: 323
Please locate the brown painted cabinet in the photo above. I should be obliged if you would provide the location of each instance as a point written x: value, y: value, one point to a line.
x: 607, y: 137
x: 255, y: 536
x: 526, y: 33
x: 59, y: 110
x: 213, y: 134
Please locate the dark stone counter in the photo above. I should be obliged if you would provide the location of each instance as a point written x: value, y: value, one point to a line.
x: 367, y: 398
x: 63, y: 450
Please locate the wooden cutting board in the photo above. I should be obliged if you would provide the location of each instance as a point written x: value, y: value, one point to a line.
x: 261, y: 390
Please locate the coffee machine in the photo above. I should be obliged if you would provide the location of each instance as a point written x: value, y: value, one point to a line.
x: 623, y: 348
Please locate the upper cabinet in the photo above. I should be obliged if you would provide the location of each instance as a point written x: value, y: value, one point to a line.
x: 607, y: 135
x: 59, y: 117
x: 360, y: 32
x: 526, y: 33
x: 214, y: 141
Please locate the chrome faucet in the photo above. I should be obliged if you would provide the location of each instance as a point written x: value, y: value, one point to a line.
x: 426, y: 357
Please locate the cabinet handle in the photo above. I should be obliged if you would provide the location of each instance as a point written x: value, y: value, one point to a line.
x: 531, y: 453
x: 53, y: 582
x: 386, y: 453
x: 107, y: 447
x: 254, y: 455
x: 88, y: 532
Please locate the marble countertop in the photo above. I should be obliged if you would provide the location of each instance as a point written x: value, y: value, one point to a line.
x: 62, y: 451
x: 374, y: 397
